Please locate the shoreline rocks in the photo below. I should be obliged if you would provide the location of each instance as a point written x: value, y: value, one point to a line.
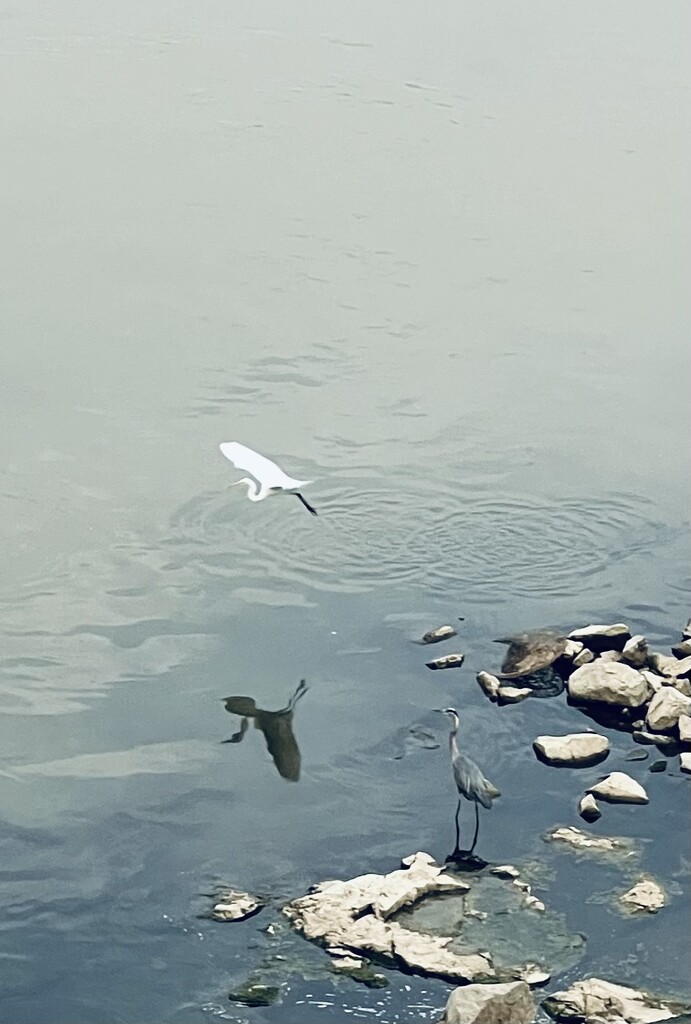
x: 608, y: 682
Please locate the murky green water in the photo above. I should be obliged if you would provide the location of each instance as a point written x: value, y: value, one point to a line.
x: 436, y: 259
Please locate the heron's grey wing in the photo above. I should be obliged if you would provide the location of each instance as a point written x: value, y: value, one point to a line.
x: 264, y: 470
x: 471, y: 782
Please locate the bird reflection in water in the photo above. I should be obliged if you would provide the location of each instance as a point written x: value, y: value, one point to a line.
x: 277, y: 727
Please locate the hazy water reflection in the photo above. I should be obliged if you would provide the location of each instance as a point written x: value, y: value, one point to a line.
x: 277, y: 727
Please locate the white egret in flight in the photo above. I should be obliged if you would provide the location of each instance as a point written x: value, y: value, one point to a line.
x: 271, y: 479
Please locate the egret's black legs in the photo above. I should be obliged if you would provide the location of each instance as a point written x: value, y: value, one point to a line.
x: 477, y: 826
x: 306, y: 504
x: 458, y: 830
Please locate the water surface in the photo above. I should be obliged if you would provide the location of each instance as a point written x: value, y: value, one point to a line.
x: 437, y: 261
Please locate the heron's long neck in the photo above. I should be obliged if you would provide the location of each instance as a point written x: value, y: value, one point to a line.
x: 453, y: 746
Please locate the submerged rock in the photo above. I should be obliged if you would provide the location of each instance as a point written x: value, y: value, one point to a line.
x: 234, y: 905
x: 646, y: 894
x: 609, y: 683
x: 254, y: 993
x: 448, y: 661
x: 434, y: 636
x: 489, y: 684
x: 595, y: 1000
x: 578, y: 749
x: 579, y: 840
x: 619, y: 787
x: 588, y: 809
x: 511, y: 1003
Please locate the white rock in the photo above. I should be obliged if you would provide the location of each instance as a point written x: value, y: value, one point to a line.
x: 668, y: 665
x: 685, y: 728
x: 505, y: 871
x: 434, y: 636
x: 583, y: 658
x: 573, y: 648
x: 611, y: 656
x: 513, y: 694
x: 686, y: 631
x: 660, y: 739
x: 489, y: 684
x: 580, y: 840
x: 448, y: 661
x: 646, y: 894
x: 682, y: 685
x: 510, y: 1003
x: 610, y: 683
x: 588, y: 809
x: 356, y: 914
x: 234, y: 905
x: 635, y: 652
x: 685, y: 761
x: 666, y: 707
x: 605, y: 1003
x: 654, y: 681
x: 619, y: 787
x: 617, y: 629
x: 682, y: 649
x: 578, y: 748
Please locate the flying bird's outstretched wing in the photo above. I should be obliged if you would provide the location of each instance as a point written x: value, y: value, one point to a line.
x: 266, y: 472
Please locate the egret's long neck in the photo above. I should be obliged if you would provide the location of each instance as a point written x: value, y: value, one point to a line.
x: 252, y: 488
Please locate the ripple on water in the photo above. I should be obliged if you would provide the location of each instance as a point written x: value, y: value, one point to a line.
x: 370, y: 537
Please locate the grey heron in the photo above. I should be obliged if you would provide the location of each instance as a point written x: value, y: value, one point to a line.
x: 470, y: 782
x: 270, y: 478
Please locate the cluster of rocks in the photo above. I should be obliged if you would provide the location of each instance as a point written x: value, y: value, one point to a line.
x: 619, y: 679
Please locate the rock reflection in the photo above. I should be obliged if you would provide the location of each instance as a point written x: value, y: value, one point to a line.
x: 277, y: 727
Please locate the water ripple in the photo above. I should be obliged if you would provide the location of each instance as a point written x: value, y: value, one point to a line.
x: 367, y: 537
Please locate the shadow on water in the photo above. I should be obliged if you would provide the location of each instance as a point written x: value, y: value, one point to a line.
x: 277, y: 727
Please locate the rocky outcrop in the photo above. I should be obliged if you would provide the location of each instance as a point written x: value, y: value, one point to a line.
x: 646, y: 894
x: 358, y: 915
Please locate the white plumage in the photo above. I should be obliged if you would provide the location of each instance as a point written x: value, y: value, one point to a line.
x: 269, y: 478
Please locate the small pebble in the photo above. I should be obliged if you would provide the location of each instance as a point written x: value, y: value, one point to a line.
x: 448, y: 661
x: 434, y: 636
x: 658, y: 766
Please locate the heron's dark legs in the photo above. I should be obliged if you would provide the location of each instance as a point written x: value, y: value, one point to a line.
x: 458, y: 832
x: 305, y: 503
x: 477, y: 827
